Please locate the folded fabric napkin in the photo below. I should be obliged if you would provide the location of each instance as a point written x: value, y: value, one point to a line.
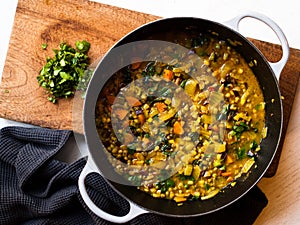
x: 36, y: 188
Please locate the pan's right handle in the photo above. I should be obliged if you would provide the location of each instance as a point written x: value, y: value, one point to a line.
x: 277, y: 66
x: 133, y: 212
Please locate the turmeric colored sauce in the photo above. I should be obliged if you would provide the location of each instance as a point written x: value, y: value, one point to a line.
x: 225, y: 122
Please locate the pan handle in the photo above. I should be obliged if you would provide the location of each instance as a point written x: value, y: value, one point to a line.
x: 134, y: 209
x: 277, y: 66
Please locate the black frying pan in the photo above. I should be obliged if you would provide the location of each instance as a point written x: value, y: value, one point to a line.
x: 266, y: 73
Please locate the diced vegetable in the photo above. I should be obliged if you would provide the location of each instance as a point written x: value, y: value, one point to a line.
x: 196, y: 172
x: 179, y: 199
x: 168, y: 74
x: 136, y: 63
x: 127, y: 138
x: 226, y: 68
x: 178, y: 128
x: 153, y: 112
x: 141, y: 118
x: 242, y: 116
x: 219, y: 147
x: 210, y: 194
x: 160, y: 106
x: 167, y: 115
x: 132, y: 101
x: 188, y: 170
x: 190, y: 87
x: 218, y: 163
x: 226, y: 174
x: 229, y: 159
x: 244, y: 98
x: 247, y: 166
x: 264, y: 132
x: 206, y: 119
x: 121, y: 113
x: 239, y: 128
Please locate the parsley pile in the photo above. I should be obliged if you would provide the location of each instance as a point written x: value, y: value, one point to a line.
x: 62, y: 73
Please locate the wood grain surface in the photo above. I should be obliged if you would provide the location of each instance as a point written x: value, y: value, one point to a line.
x: 52, y: 22
x: 288, y: 84
x: 283, y: 189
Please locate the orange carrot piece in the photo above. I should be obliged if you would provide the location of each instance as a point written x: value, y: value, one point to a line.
x: 229, y: 159
x: 141, y: 118
x: 110, y: 99
x: 132, y: 101
x: 229, y: 179
x: 121, y: 113
x: 168, y: 74
x: 136, y: 63
x: 127, y: 138
x: 177, y: 128
x: 226, y: 174
x: 160, y: 106
x: 125, y: 123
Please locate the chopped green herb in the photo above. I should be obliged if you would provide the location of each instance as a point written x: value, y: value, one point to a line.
x: 63, y: 73
x: 241, y: 153
x: 131, y: 151
x: 253, y: 145
x: 183, y: 177
x: 165, y: 185
x: 148, y: 161
x: 218, y: 163
x: 239, y: 128
x: 150, y: 69
x: 44, y: 46
x: 182, y: 84
x: 207, y: 186
x: 226, y: 108
x: 83, y: 46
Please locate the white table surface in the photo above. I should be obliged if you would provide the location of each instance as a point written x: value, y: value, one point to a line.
x: 284, y: 13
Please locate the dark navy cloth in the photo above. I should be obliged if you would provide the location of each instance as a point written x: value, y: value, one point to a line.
x: 37, y: 188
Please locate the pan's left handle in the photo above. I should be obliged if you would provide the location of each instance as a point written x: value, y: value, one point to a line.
x: 133, y: 212
x: 277, y: 66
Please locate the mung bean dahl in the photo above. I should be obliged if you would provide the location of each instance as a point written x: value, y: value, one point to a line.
x: 223, y: 138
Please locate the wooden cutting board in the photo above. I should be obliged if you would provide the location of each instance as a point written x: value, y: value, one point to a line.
x: 51, y: 22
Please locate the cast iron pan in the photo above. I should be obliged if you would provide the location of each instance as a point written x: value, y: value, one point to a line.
x: 266, y: 74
